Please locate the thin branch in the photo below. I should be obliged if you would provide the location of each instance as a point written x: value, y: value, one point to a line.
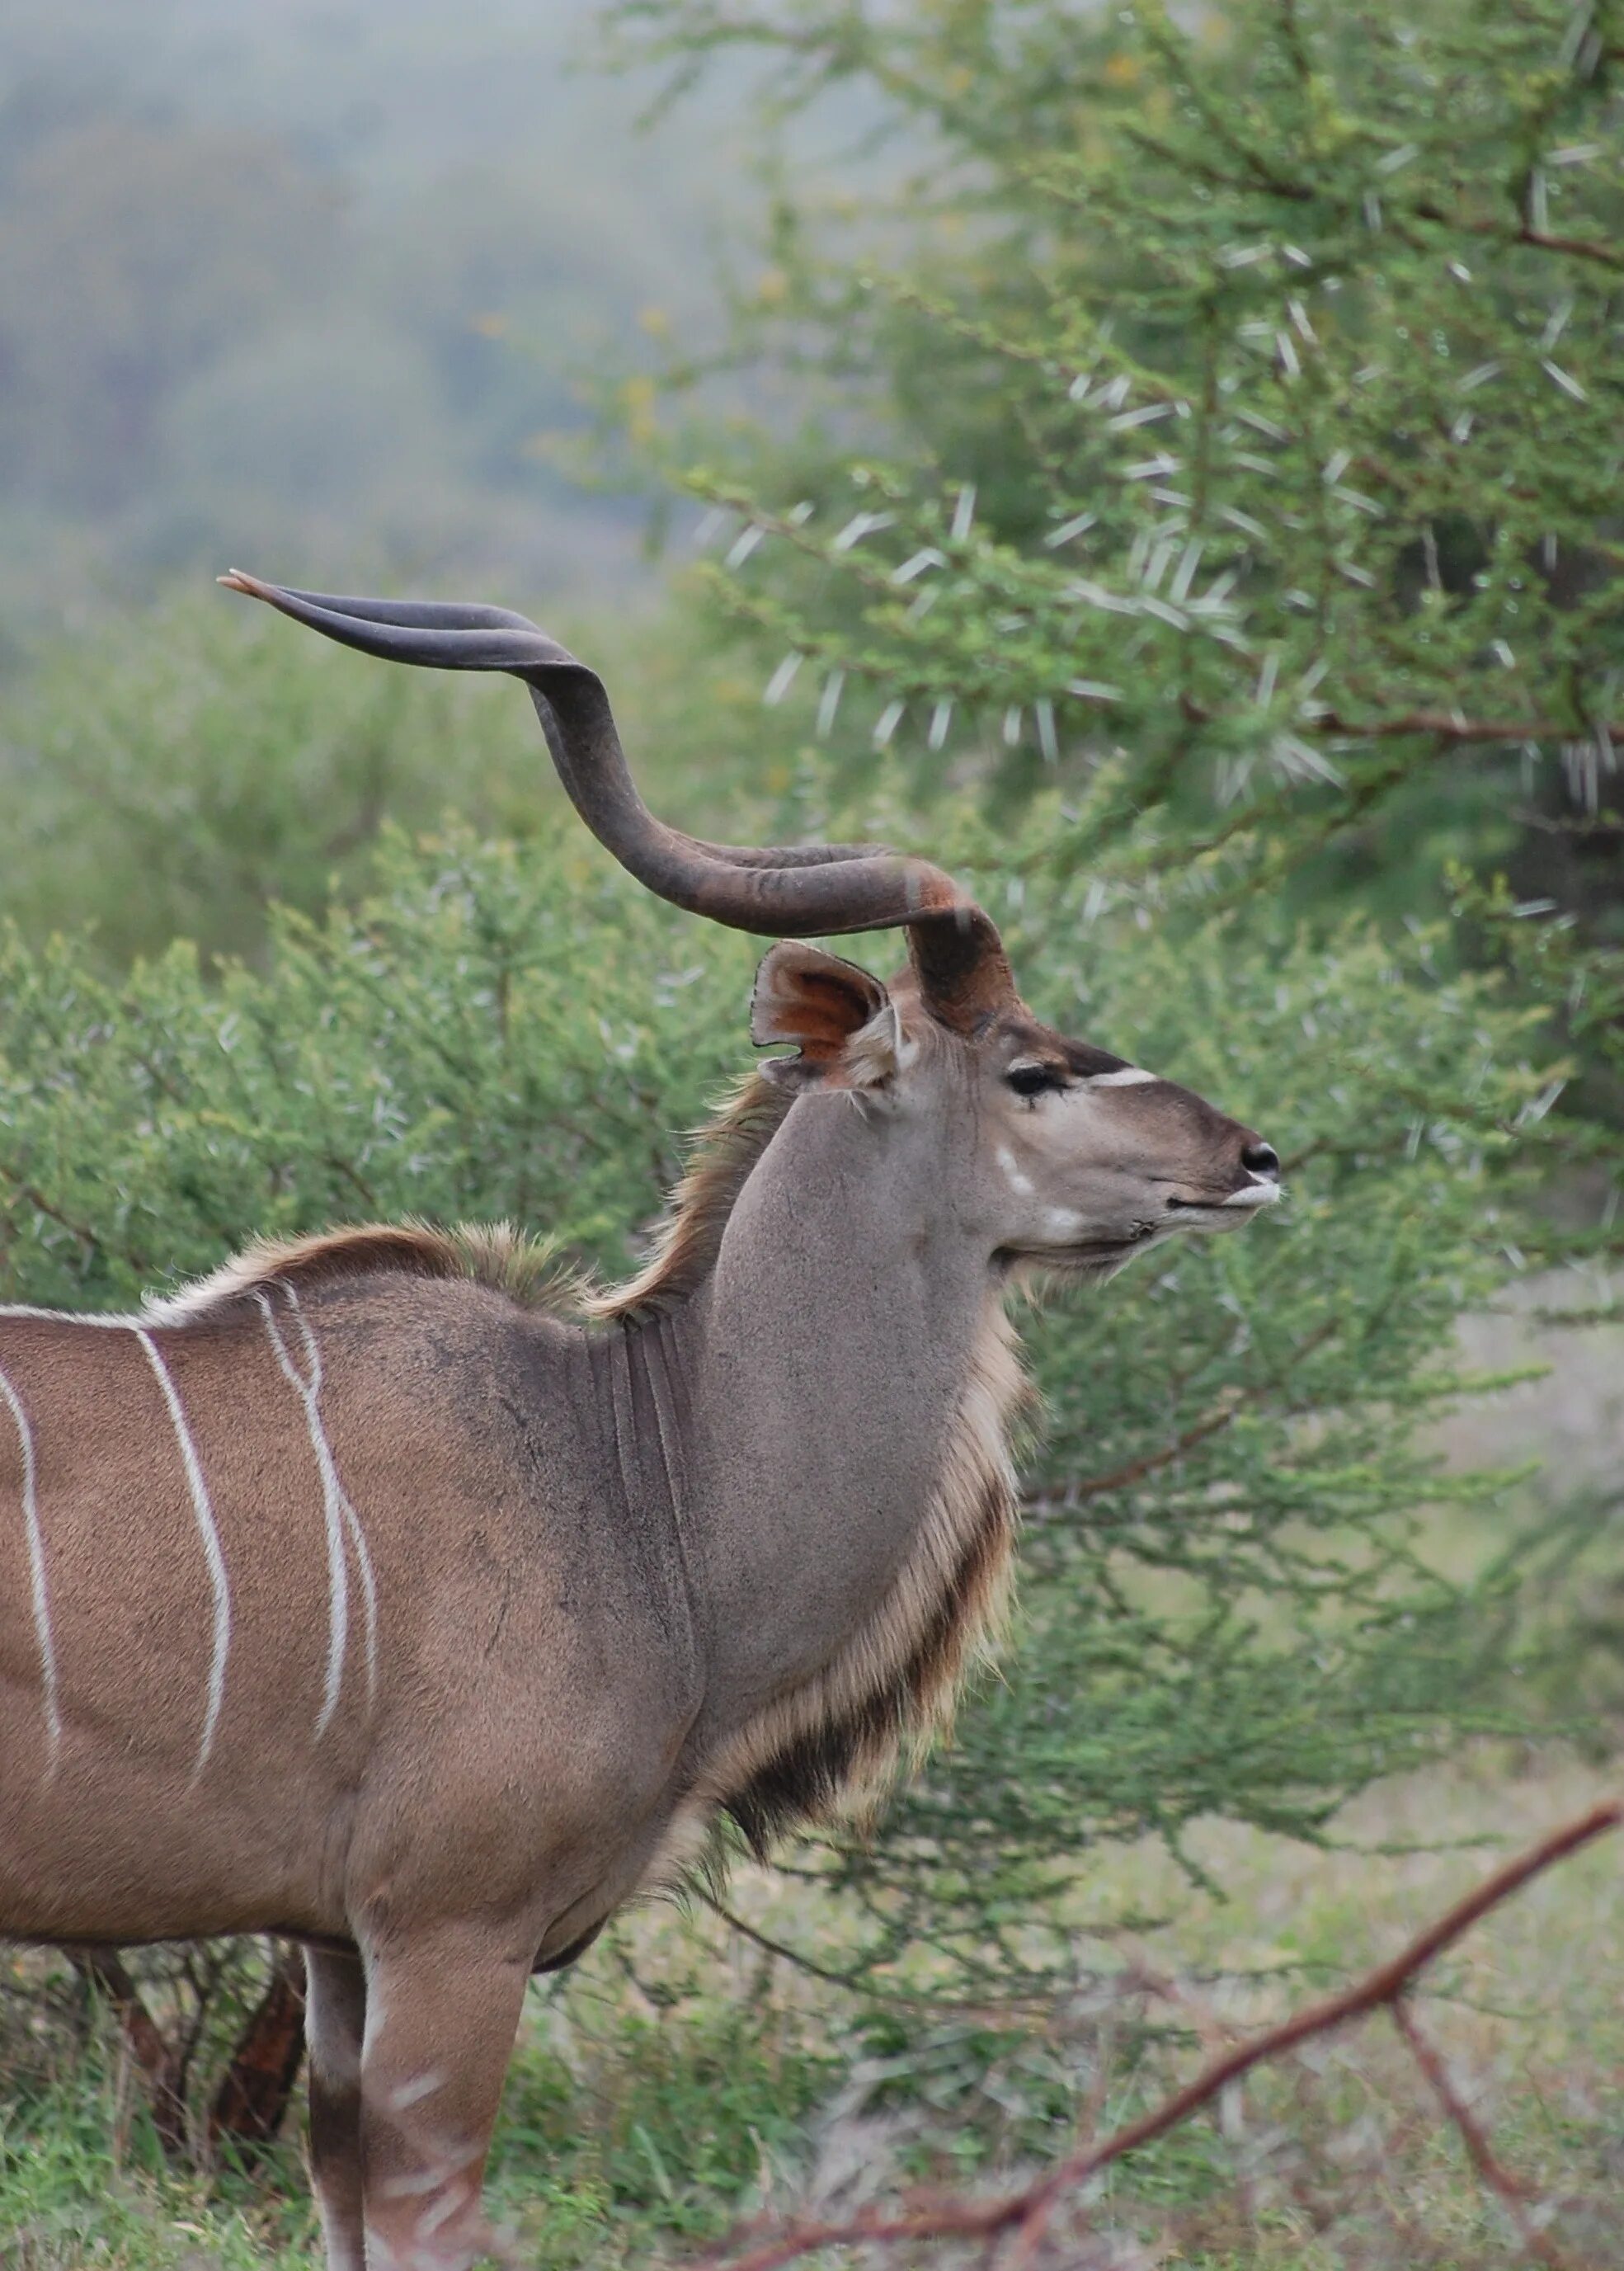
x: 1447, y: 724
x: 859, y: 1981
x: 1383, y: 1988
x: 42, y: 1205
x: 1509, y: 2191
x: 1151, y: 1462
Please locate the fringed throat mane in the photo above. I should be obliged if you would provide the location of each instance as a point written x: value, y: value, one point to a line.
x: 832, y: 1745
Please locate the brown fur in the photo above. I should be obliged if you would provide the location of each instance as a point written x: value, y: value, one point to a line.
x: 526, y: 1581
x: 496, y: 1255
x: 723, y: 1541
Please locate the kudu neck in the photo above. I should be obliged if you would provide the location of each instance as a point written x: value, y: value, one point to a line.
x: 824, y: 1359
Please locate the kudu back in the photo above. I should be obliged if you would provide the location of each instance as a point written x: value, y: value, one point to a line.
x: 381, y: 1593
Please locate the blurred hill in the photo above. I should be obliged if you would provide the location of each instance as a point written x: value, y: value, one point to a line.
x: 306, y: 284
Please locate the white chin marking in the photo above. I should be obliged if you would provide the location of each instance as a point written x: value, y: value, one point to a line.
x: 1257, y: 1193
x: 1131, y: 1076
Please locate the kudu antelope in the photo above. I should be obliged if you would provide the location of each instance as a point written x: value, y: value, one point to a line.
x: 372, y: 1593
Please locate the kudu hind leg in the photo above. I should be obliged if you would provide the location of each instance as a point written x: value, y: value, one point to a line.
x: 335, y: 2014
x: 442, y: 2008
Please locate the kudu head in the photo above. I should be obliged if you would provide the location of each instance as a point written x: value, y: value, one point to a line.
x: 1043, y: 1150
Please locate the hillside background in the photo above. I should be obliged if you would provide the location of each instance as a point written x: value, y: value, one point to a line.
x: 320, y: 282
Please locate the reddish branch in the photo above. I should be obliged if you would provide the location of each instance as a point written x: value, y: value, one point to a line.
x: 253, y: 2094
x: 1450, y: 726
x: 1385, y: 1988
x: 1491, y: 2173
x: 1213, y: 1423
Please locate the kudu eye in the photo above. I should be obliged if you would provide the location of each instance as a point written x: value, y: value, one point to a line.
x: 1262, y: 1159
x: 1034, y: 1079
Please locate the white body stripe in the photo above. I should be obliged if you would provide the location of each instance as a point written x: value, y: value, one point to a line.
x: 352, y: 1520
x: 338, y: 1567
x: 36, y: 1571
x: 209, y: 1536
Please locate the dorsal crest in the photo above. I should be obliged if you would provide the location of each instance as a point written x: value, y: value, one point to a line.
x: 498, y: 1256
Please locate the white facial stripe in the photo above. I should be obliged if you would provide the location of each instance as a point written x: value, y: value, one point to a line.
x: 1129, y: 1076
x: 36, y: 1572
x: 352, y: 1520
x: 204, y: 1514
x: 1020, y: 1184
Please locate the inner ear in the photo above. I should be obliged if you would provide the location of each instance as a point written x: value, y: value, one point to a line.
x: 814, y: 1000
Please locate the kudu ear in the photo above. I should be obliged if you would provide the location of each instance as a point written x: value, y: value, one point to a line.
x: 822, y: 1003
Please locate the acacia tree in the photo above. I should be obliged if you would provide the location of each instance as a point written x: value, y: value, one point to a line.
x: 1247, y: 417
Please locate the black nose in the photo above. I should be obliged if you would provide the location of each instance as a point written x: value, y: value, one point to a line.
x: 1262, y: 1159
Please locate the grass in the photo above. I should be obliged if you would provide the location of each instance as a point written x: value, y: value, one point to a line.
x: 680, y: 2080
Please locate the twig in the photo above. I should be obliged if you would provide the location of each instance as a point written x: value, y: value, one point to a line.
x: 1198, y: 1433
x: 859, y: 1981
x: 1509, y: 2189
x: 1383, y: 1988
x: 1446, y: 724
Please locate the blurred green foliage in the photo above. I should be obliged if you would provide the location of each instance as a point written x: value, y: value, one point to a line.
x: 625, y: 2128
x: 172, y: 774
x: 178, y: 771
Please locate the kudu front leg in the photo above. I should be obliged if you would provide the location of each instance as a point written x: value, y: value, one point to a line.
x: 442, y: 2008
x: 335, y: 2011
